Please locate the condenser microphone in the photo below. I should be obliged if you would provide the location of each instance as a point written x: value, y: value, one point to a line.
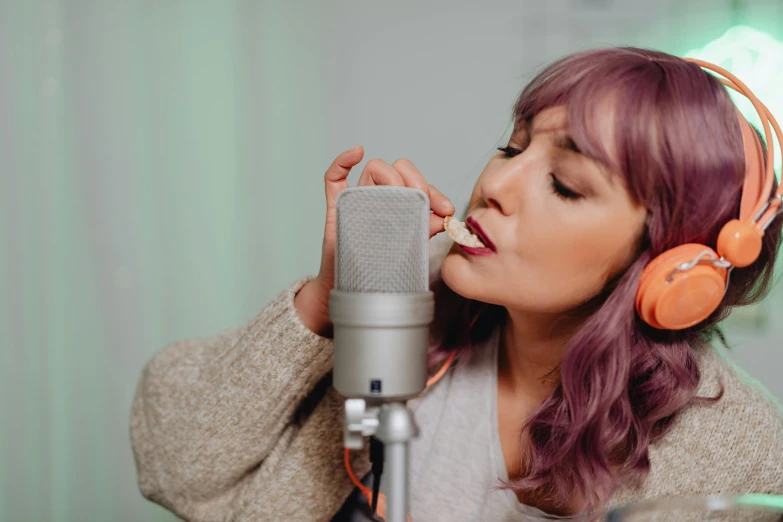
x: 381, y: 306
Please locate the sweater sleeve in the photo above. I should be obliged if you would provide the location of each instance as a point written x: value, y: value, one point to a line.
x: 208, y: 412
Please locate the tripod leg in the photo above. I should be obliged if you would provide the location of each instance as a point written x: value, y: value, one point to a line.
x: 396, y: 429
x: 397, y: 457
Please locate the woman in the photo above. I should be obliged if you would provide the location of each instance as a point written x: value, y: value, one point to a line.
x: 560, y: 393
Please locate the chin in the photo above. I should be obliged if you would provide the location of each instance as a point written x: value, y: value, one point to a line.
x: 458, y: 274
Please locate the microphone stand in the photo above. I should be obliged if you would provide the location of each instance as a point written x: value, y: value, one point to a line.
x: 383, y: 338
x: 391, y: 423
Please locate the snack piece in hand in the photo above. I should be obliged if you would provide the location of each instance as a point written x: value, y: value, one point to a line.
x: 460, y: 233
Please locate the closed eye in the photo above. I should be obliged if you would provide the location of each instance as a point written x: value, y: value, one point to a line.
x: 562, y: 191
x: 559, y: 189
x: 509, y: 152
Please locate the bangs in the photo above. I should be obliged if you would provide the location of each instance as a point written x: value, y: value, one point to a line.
x: 599, y: 87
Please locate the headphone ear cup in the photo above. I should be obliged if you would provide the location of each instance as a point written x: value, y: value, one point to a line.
x: 685, y: 299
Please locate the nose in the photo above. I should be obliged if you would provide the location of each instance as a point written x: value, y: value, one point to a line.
x: 500, y: 188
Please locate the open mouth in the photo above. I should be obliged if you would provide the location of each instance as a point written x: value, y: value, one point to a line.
x: 469, y: 236
x: 461, y: 234
x: 476, y: 229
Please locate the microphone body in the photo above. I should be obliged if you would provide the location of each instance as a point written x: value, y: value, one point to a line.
x: 381, y: 306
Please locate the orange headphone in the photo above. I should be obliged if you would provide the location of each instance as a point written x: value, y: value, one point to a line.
x: 684, y: 285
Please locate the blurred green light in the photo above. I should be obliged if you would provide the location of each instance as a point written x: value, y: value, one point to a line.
x: 771, y: 501
x: 756, y: 58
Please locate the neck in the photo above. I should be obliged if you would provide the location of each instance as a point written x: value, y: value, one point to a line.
x: 531, y: 349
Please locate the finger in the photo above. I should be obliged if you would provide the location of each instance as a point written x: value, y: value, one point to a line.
x: 440, y: 204
x: 436, y: 224
x: 342, y: 165
x: 411, y: 175
x: 378, y: 172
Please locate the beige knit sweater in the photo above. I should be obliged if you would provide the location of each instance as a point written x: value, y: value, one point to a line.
x: 244, y: 426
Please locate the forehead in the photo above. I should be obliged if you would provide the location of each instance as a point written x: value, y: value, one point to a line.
x: 550, y: 119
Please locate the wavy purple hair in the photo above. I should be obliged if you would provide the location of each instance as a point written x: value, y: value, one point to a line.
x: 677, y: 145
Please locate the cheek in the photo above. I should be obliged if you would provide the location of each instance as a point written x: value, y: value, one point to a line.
x: 592, y: 255
x: 561, y: 266
x: 593, y: 244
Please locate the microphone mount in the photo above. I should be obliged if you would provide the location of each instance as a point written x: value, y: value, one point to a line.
x: 391, y: 423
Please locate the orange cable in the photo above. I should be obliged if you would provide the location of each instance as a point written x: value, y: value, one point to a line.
x: 347, y: 458
x: 443, y: 369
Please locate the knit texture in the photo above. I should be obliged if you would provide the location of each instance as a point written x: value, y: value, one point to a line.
x: 245, y: 426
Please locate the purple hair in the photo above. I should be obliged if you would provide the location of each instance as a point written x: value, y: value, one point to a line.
x: 677, y: 144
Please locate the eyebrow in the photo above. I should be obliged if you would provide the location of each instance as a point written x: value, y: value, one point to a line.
x: 562, y: 140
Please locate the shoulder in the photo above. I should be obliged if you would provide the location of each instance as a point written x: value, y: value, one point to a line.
x: 746, y: 408
x: 732, y: 445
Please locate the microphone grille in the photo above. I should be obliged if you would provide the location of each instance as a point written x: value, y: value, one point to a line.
x: 382, y: 240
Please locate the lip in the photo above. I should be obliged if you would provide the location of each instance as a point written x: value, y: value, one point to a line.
x: 476, y: 229
x: 473, y: 251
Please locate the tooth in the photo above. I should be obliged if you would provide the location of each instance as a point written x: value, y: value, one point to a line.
x: 460, y: 233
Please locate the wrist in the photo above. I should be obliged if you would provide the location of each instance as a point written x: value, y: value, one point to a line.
x: 312, y: 305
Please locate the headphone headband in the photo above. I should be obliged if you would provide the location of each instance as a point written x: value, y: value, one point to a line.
x: 766, y: 207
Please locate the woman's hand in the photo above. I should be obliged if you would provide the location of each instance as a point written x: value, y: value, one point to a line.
x: 312, y: 301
